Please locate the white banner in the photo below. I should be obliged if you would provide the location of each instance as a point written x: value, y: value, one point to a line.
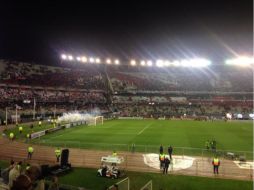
x: 37, y: 134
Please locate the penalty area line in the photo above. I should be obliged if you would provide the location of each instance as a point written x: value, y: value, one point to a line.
x: 140, y: 132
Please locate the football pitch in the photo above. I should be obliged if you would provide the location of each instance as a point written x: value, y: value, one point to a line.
x: 148, y: 135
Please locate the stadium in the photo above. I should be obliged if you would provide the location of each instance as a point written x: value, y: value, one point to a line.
x: 97, y: 121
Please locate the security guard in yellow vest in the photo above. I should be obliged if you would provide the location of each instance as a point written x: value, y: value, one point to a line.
x: 39, y: 123
x: 27, y: 137
x: 58, y: 154
x: 30, y: 151
x: 162, y: 159
x: 11, y: 136
x: 216, y: 164
x: 114, y: 153
x: 20, y: 129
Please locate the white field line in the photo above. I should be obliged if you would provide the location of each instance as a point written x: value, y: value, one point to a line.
x: 140, y: 132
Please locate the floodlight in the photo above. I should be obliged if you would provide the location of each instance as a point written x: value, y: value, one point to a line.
x: 176, y: 63
x: 159, y: 63
x: 167, y: 63
x: 117, y: 62
x: 70, y: 57
x: 108, y: 61
x: 149, y: 63
x: 143, y: 63
x: 97, y: 60
x: 84, y: 59
x: 63, y: 56
x: 133, y: 62
x: 78, y: 58
x: 199, y: 62
x: 91, y: 60
x: 243, y: 61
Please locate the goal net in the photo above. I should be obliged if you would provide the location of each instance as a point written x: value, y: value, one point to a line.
x: 98, y: 120
x: 148, y: 186
x: 122, y: 185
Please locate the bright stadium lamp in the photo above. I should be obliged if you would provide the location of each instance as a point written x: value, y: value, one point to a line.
x: 241, y: 61
x: 176, y: 63
x: 91, y: 60
x: 142, y: 63
x: 108, y: 61
x: 84, y: 59
x: 159, y: 63
x: 117, y: 62
x: 149, y: 63
x: 167, y: 63
x: 133, y: 62
x: 70, y: 57
x: 63, y: 56
x: 97, y: 60
x: 78, y: 58
x: 199, y: 62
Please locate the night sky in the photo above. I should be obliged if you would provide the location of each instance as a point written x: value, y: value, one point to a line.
x: 40, y: 32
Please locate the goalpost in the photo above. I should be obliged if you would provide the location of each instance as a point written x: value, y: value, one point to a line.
x: 98, y: 120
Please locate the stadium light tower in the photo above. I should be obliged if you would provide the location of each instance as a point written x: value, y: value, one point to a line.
x: 133, y: 62
x: 117, y: 62
x: 70, y: 57
x: 91, y: 60
x: 241, y: 61
x: 97, y: 60
x: 159, y: 63
x: 64, y: 57
x: 84, y: 59
x: 108, y: 61
x: 149, y: 63
x: 142, y: 63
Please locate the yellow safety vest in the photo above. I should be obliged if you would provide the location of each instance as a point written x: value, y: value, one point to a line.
x: 58, y: 152
x: 28, y: 136
x: 39, y: 122
x: 216, y: 161
x: 11, y: 135
x: 20, y: 128
x: 114, y: 154
x: 30, y: 149
x: 162, y: 157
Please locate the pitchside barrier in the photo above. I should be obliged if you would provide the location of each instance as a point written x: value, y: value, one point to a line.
x: 51, y: 130
x: 248, y: 155
x: 148, y: 186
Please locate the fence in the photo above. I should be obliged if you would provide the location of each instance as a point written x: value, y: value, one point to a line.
x: 145, y: 149
x: 121, y: 185
x: 148, y: 186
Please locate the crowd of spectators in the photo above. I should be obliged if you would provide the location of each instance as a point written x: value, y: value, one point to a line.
x: 45, y: 76
x: 17, y: 176
x: 182, y: 79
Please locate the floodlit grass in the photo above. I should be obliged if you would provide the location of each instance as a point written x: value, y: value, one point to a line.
x: 27, y: 129
x: 149, y: 134
x: 87, y: 178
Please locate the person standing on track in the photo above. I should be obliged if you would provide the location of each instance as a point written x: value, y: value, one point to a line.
x: 20, y: 129
x: 30, y: 151
x: 170, y: 151
x: 216, y: 164
x: 161, y: 149
x: 166, y: 165
x: 58, y: 154
x: 12, y: 136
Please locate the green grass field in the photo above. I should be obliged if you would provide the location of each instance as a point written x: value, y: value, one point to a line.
x: 149, y: 134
